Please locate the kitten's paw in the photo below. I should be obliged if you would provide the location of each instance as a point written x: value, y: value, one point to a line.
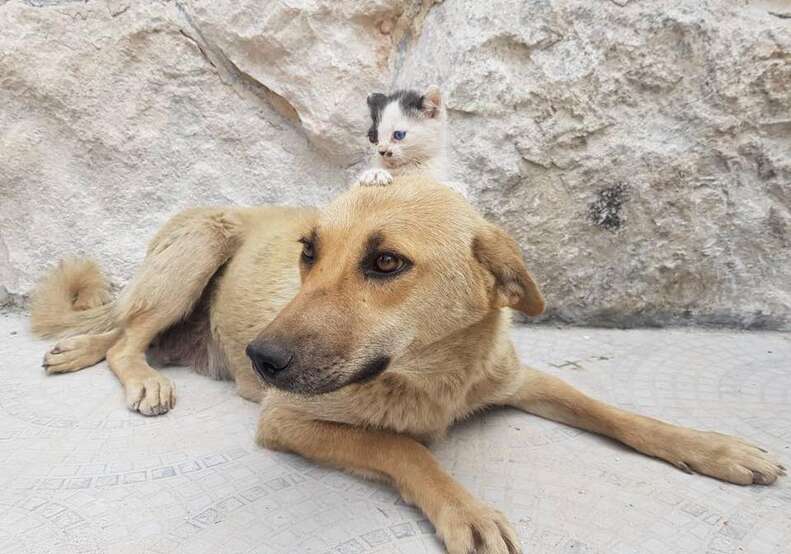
x: 375, y: 178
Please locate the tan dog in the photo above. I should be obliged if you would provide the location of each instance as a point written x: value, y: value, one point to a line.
x: 398, y: 329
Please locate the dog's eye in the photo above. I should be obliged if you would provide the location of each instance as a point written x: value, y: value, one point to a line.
x: 308, y: 254
x: 384, y: 265
x: 387, y: 263
x: 399, y: 135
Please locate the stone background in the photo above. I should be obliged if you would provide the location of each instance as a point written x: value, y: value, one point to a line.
x: 639, y: 150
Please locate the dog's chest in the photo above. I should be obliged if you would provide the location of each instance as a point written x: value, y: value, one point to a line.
x: 423, y: 409
x: 417, y: 410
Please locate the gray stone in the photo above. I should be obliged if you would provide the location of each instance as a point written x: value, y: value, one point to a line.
x: 640, y: 151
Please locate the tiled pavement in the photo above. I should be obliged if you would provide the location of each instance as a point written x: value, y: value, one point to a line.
x: 79, y: 473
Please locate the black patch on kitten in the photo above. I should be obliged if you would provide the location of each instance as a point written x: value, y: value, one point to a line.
x: 411, y: 104
x: 376, y: 104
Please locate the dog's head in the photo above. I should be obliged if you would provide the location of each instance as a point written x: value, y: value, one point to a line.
x: 386, y: 271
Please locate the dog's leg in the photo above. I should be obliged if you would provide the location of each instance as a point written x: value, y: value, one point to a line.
x: 181, y: 260
x: 721, y: 456
x: 249, y: 387
x: 464, y: 523
x: 147, y: 391
x: 75, y: 353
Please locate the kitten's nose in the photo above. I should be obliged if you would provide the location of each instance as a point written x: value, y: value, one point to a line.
x: 383, y: 153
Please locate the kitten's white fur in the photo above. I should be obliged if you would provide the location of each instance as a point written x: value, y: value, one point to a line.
x: 422, y: 151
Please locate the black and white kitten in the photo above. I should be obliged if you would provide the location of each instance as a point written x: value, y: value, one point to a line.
x: 408, y: 134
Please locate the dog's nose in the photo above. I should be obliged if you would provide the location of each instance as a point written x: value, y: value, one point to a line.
x: 269, y: 358
x: 384, y: 153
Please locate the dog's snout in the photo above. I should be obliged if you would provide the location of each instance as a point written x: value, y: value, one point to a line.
x: 269, y: 358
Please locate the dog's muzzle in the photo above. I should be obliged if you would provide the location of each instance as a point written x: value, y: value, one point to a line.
x: 291, y: 369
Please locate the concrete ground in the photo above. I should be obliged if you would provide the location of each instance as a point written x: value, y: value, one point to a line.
x: 79, y: 473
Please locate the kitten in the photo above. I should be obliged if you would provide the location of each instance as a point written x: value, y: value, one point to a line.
x: 408, y: 133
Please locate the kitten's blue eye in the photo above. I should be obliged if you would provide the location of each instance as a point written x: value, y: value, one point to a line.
x: 399, y: 135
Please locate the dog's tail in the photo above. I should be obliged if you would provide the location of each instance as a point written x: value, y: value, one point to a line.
x: 73, y: 299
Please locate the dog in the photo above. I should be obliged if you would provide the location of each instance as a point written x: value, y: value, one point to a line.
x: 365, y: 329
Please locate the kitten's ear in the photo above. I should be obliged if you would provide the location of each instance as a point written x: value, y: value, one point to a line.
x: 432, y: 101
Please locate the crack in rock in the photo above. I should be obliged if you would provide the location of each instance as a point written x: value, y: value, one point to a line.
x: 50, y: 3
x: 407, y: 31
x: 117, y: 7
x: 241, y: 81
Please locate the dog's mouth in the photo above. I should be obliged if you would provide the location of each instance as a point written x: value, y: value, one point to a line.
x: 372, y: 369
x: 314, y: 382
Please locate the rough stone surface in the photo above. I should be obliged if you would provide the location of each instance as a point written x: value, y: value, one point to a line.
x: 640, y: 151
x: 82, y: 474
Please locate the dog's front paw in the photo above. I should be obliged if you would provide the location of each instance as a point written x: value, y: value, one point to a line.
x: 473, y: 527
x: 152, y: 396
x: 74, y: 353
x: 375, y: 178
x: 726, y: 458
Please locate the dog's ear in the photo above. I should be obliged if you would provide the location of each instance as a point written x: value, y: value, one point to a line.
x: 514, y: 287
x: 432, y: 101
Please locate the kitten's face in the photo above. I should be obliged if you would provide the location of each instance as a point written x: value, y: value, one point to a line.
x: 406, y: 127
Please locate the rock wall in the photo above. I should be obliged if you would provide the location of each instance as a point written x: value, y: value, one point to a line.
x: 640, y: 151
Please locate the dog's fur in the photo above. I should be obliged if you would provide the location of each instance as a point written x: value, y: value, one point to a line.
x: 396, y: 360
